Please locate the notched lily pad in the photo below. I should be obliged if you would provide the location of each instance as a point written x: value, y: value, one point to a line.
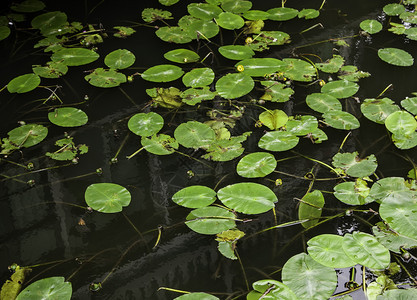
x: 276, y: 91
x: 160, y: 144
x: 257, y: 164
x: 194, y: 134
x: 199, y: 77
x: 236, y: 52
x: 278, y: 141
x: 195, y: 196
x: 145, y: 124
x: 182, y: 56
x: 234, y: 85
x: 47, y: 288
x: 162, y: 73
x: 355, y: 166
x: 50, y: 70
x: 119, y: 59
x: 371, y: 26
x: 210, y: 220
x: 75, y: 56
x: 377, y: 110
x: 341, y: 120
x: 231, y: 21
x: 340, y: 88
x: 68, y: 117
x: 107, y: 197
x: 310, y: 208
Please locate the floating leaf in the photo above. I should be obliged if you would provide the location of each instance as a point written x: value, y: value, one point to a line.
x: 170, y: 97
x: 391, y: 239
x: 210, y: 220
x: 194, y: 134
x: 260, y: 66
x: 50, y: 22
x: 377, y: 110
x: 298, y: 70
x: 351, y: 73
x: 11, y: 288
x: 145, y: 124
x: 325, y: 249
x: 405, y: 141
x: 199, y: 77
x: 355, y: 166
x: 273, y: 119
x: 318, y: 136
x: 68, y: 117
x: 107, y: 197
x: 323, y: 102
x: 308, y: 13
x: 228, y: 20
x: 162, y: 73
x: 396, y: 57
x: 236, y: 52
x: 398, y: 294
x: 371, y: 26
x: 276, y: 91
x: 386, y: 187
x: 119, y: 59
x: 401, y: 122
x: 195, y: 196
x: 168, y: 2
x: 310, y: 208
x: 182, y: 56
x: 105, y: 78
x: 264, y: 39
x: 196, y: 296
x: 234, y: 85
x: 410, y: 104
x: 47, y: 288
x: 409, y: 17
x: 353, y: 193
x: 153, y: 14
x: 247, y: 197
x: 341, y: 120
x: 340, y: 88
x: 75, y: 56
x: 51, y: 70
x: 197, y: 28
x: 23, y: 83
x: 227, y: 250
x: 173, y: 35
x: 160, y: 144
x: 365, y: 249
x: 257, y: 164
x: 27, y: 135
x: 236, y: 6
x: 278, y: 141
x: 204, y: 11
x: 28, y: 6
x: 4, y: 32
x: 394, y: 9
x: 123, y: 31
x: 301, y: 125
x: 308, y: 279
x: 411, y: 33
x: 332, y: 65
x: 270, y: 289
x: 194, y: 96
x: 67, y: 149
x: 255, y: 15
x: 282, y: 13
x: 226, y: 149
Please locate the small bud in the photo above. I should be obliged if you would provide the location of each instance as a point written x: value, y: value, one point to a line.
x: 86, y: 98
x: 190, y: 174
x: 99, y: 171
x: 30, y: 166
x: 240, y: 68
x: 114, y: 160
x: 95, y: 287
x: 31, y: 183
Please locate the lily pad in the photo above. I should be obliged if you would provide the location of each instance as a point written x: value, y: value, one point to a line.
x: 278, y: 141
x: 332, y: 65
x: 351, y: 73
x: 410, y: 104
x: 194, y: 96
x: 371, y: 26
x: 196, y: 296
x: 257, y: 164
x: 377, y: 110
x: 355, y: 166
x: 204, y: 11
x: 195, y: 196
x: 396, y: 57
x: 194, y: 134
x: 51, y: 70
x: 107, y: 197
x: 173, y: 34
x: 160, y: 144
x: 282, y: 13
x: 391, y: 239
x: 308, y: 13
x: 276, y: 91
x: 325, y: 249
x: 162, y: 73
x: 298, y: 70
x: 254, y: 15
x: 68, y: 117
x: 236, y: 52
x: 75, y: 56
x: 310, y: 208
x: 168, y: 2
x: 318, y: 136
x: 23, y: 83
x: 47, y: 288
x: 28, y: 6
x: 398, y: 294
x: 234, y: 85
x: 401, y: 122
x: 236, y: 6
x: 226, y: 149
x: 231, y: 21
x: 27, y: 135
x: 405, y: 141
x: 4, y: 32
x: 409, y: 17
x: 210, y: 220
x: 394, y: 9
x: 340, y: 88
x: 247, y: 197
x: 50, y: 22
x: 182, y: 56
x: 105, y: 78
x: 353, y: 193
x: 270, y: 289
x: 145, y: 124
x: 386, y: 187
x: 119, y: 59
x: 341, y: 120
x: 365, y: 249
x: 259, y: 67
x: 301, y: 125
x: 153, y: 14
x: 323, y: 102
x: 196, y: 28
x: 199, y: 77
x: 273, y: 119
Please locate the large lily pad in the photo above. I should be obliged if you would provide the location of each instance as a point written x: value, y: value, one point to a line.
x: 75, y: 56
x: 322, y: 102
x: 236, y: 52
x: 401, y: 122
x: 355, y: 166
x: 270, y: 289
x: 310, y: 208
x: 105, y: 78
x: 119, y: 59
x: 257, y: 164
x: 107, y: 197
x: 396, y: 57
x: 371, y: 26
x: 194, y: 134
x: 204, y: 11
x: 398, y: 294
x: 23, y: 83
x: 278, y: 141
x: 234, y: 85
x: 378, y: 110
x: 231, y: 21
x: 340, y: 88
x: 210, y: 220
x: 160, y: 144
x: 50, y: 22
x: 182, y: 56
x: 273, y: 119
x: 247, y: 197
x: 68, y: 117
x: 282, y: 13
x: 259, y: 67
x: 51, y: 70
x: 162, y: 73
x: 195, y: 196
x: 28, y: 6
x: 47, y: 288
x: 386, y: 187
x: 394, y: 9
x: 145, y: 124
x: 341, y: 120
x: 27, y: 135
x: 199, y: 77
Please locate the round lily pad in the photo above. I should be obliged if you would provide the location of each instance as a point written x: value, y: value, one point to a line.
x: 273, y: 289
x: 394, y: 9
x: 196, y: 296
x: 247, y: 197
x: 341, y: 120
x: 259, y: 67
x: 182, y: 56
x: 282, y: 13
x: 254, y: 15
x: 23, y: 83
x: 273, y: 119
x: 199, y: 77
x: 257, y: 164
x: 236, y: 6
x: 107, y: 197
x: 401, y: 122
x: 352, y: 193
x: 145, y: 124
x: 377, y: 110
x: 4, y: 32
x: 322, y: 102
x: 196, y: 28
x: 396, y: 57
x: 371, y: 26
x: 278, y: 141
x: 311, y: 208
x: 234, y: 85
x: 210, y: 220
x: 105, y: 78
x: 50, y: 22
x: 68, y: 117
x: 301, y: 126
x: 28, y: 6
x: 75, y: 56
x: 236, y: 52
x: 173, y: 34
x: 410, y: 104
x: 308, y: 13
x: 340, y: 88
x: 160, y: 144
x: 228, y: 20
x: 298, y: 70
x: 47, y: 288
x: 204, y: 11
x: 194, y: 134
x: 28, y: 135
x: 162, y: 73
x: 195, y: 196
x: 119, y: 59
x: 385, y: 187
x: 355, y: 166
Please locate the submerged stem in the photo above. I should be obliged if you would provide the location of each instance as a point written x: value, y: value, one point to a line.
x: 243, y: 270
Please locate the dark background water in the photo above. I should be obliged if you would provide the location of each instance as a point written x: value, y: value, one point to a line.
x: 37, y: 228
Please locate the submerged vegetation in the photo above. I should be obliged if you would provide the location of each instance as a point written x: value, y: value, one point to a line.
x: 224, y: 94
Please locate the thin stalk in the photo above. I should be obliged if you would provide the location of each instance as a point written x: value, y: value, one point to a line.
x: 405, y: 269
x: 243, y: 270
x: 37, y: 171
x: 383, y: 92
x: 344, y: 141
x: 136, y: 152
x: 57, y: 202
x: 136, y: 229
x: 121, y: 146
x: 201, y: 162
x: 221, y: 179
x: 309, y: 179
x: 47, y: 263
x: 317, y: 161
x: 159, y: 236
x: 325, y: 41
x: 14, y: 179
x: 173, y: 290
x: 322, y: 4
x: 128, y: 97
x: 287, y: 224
x: 311, y: 27
x: 13, y: 163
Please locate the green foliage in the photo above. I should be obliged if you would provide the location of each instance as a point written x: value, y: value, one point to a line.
x: 396, y: 57
x: 119, y: 59
x: 107, y: 197
x: 257, y: 164
x: 195, y: 196
x: 23, y: 83
x: 145, y: 124
x: 67, y: 149
x: 210, y: 220
x: 371, y: 26
x: 47, y: 288
x: 310, y: 208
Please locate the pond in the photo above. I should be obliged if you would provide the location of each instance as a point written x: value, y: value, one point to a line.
x: 251, y: 150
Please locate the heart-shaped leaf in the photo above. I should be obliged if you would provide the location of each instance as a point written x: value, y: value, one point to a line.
x: 107, y: 197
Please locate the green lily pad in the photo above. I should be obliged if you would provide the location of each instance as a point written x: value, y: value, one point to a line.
x: 173, y: 34
x: 199, y: 77
x: 68, y: 117
x: 254, y: 15
x: 391, y: 239
x: 195, y: 196
x: 4, y: 32
x: 51, y: 70
x: 351, y: 73
x: 226, y: 248
x: 340, y: 88
x: 386, y: 187
x: 302, y: 125
x: 47, y: 288
x: 27, y: 135
x: 247, y: 197
x: 396, y: 57
x: 210, y: 220
x: 150, y: 15
x: 270, y: 289
x: 411, y: 33
x: 377, y: 110
x: 282, y: 13
x: 107, y: 197
x: 75, y: 56
x: 353, y: 193
x: 355, y: 166
x: 145, y: 124
x: 341, y: 120
x: 226, y: 149
x: 204, y: 11
x: 123, y: 31
x: 318, y: 136
x: 257, y: 164
x: 273, y: 119
x: 365, y: 249
x: 197, y: 28
x: 410, y: 104
x: 394, y: 9
x: 23, y: 83
x: 236, y: 52
x: 28, y: 6
x: 236, y: 6
x: 398, y: 294
x: 276, y: 91
x: 332, y: 65
x: 234, y: 85
x: 298, y: 70
x: 194, y: 134
x: 194, y: 96
x: 278, y: 141
x: 165, y: 97
x: 105, y: 78
x: 309, y: 279
x: 196, y: 296
x: 50, y: 22
x: 405, y: 141
x: 401, y: 122
x: 119, y: 59
x: 371, y: 26
x: 322, y: 102
x: 325, y: 249
x: 231, y: 21
x: 168, y: 2
x: 259, y: 67
x: 310, y: 208
x: 182, y: 56
x: 265, y: 39
x: 409, y: 17
x: 308, y: 13
x: 162, y: 73
x: 160, y: 144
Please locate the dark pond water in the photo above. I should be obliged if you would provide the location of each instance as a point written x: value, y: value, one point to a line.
x: 37, y: 227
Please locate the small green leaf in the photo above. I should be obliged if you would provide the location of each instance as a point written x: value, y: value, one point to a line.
x: 168, y: 2
x: 273, y: 119
x: 153, y: 14
x: 340, y: 88
x: 332, y: 65
x: 278, y: 141
x: 194, y: 96
x: 308, y: 13
x: 228, y: 20
x: 282, y: 13
x: 210, y: 220
x: 4, y: 32
x: 75, y: 56
x: 259, y: 67
x: 51, y: 70
x: 234, y: 85
x: 371, y: 26
x: 23, y: 83
x: 394, y: 9
x: 298, y: 70
x: 401, y: 122
x: 196, y: 296
x: 310, y: 208
x: 396, y: 57
x: 322, y: 102
x: 226, y: 249
x: 50, y: 22
x: 257, y: 164
x: 236, y: 52
x: 204, y: 11
x: 162, y: 73
x: 353, y: 193
x: 107, y: 197
x: 355, y: 166
x: 182, y: 56
x: 195, y: 196
x: 351, y: 73
x: 119, y: 59
x: 105, y: 78
x: 273, y: 289
x: 193, y: 134
x: 47, y: 288
x: 236, y: 6
x: 145, y: 124
x: 160, y: 144
x: 199, y: 77
x: 276, y: 91
x: 173, y: 34
x: 68, y: 117
x: 254, y: 15
x: 391, y: 239
x: 302, y: 125
x: 27, y: 135
x: 197, y: 28
x: 341, y: 120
